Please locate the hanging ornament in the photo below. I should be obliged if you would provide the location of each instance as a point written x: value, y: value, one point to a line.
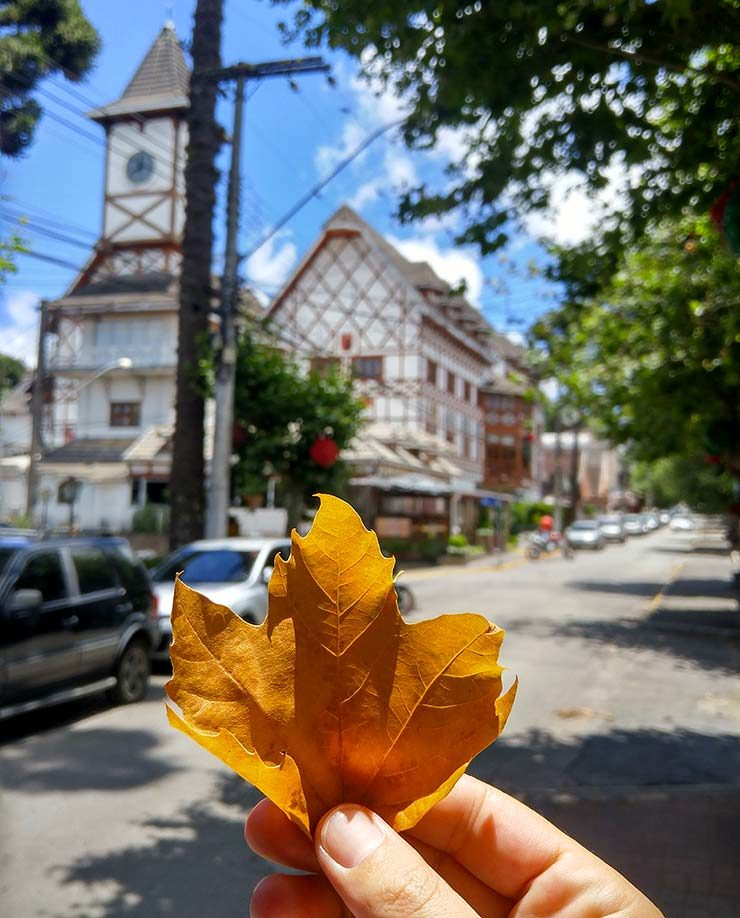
x: 324, y: 452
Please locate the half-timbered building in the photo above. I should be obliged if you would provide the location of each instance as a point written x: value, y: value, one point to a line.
x: 418, y: 352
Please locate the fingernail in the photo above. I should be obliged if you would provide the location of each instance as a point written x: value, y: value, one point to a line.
x: 350, y: 835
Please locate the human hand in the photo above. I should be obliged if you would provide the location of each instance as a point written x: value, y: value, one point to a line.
x: 477, y: 852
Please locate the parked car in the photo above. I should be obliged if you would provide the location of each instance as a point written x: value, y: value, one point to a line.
x: 585, y: 534
x: 634, y: 524
x: 652, y: 521
x: 77, y: 616
x: 665, y: 517
x: 234, y: 572
x: 681, y: 523
x: 613, y: 528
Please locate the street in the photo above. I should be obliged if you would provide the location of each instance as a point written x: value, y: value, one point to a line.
x: 626, y: 733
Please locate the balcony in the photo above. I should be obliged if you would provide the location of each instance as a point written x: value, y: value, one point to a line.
x: 161, y: 356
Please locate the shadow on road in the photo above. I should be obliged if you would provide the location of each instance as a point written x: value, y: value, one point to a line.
x: 662, y: 808
x: 194, y: 864
x: 102, y: 759
x: 671, y: 841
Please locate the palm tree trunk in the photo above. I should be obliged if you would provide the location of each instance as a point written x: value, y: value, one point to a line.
x: 187, y: 491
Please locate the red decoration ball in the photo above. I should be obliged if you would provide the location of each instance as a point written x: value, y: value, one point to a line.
x: 324, y: 452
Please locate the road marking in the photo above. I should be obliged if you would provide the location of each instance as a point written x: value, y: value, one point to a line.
x: 655, y: 602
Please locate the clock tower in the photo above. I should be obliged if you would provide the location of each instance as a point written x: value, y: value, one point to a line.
x: 146, y: 138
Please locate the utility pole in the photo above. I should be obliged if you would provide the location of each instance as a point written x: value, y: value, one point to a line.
x: 37, y: 407
x: 220, y: 479
x: 217, y: 503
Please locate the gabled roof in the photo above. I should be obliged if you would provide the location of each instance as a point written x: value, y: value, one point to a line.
x: 453, y: 308
x: 160, y: 83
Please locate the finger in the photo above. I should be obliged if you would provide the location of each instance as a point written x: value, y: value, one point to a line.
x: 270, y: 833
x: 498, y: 839
x: 377, y: 873
x: 481, y: 898
x: 295, y: 897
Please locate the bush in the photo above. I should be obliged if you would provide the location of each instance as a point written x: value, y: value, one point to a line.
x: 151, y: 518
x: 457, y: 541
x: 428, y: 550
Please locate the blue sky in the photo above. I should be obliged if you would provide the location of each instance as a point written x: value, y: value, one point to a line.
x: 291, y: 139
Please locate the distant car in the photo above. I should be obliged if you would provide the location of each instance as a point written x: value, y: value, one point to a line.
x: 234, y: 572
x: 652, y: 521
x: 613, y: 528
x: 634, y: 524
x: 585, y: 534
x: 681, y: 523
x: 665, y: 517
x: 77, y: 616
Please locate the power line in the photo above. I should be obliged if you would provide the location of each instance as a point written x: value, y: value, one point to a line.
x: 51, y: 259
x: 51, y: 234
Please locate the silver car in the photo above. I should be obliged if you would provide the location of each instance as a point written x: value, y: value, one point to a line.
x: 233, y: 572
x: 613, y: 528
x: 585, y: 534
x: 634, y: 524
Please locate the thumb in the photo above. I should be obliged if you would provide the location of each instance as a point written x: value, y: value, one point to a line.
x: 377, y: 873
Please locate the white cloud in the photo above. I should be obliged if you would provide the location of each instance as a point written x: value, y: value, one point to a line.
x: 19, y: 326
x: 271, y: 264
x: 452, y: 265
x: 398, y: 172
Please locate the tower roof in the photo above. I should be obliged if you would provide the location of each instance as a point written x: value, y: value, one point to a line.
x: 159, y: 84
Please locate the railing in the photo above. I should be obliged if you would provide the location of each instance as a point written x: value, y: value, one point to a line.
x: 94, y: 359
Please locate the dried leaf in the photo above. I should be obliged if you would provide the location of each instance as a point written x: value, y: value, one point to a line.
x: 334, y: 698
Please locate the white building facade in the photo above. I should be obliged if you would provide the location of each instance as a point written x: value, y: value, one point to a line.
x: 112, y: 338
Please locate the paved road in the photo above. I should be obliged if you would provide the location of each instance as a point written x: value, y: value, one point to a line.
x: 625, y: 732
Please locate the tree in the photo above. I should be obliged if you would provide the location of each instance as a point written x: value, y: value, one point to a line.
x: 9, y: 248
x: 38, y: 38
x: 672, y: 480
x: 534, y: 89
x: 12, y: 372
x: 280, y: 412
x: 655, y: 355
x: 188, y: 465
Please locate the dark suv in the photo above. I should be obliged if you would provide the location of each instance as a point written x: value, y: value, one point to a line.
x: 77, y: 616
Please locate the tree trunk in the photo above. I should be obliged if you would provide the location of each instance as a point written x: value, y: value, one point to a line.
x: 575, y: 486
x: 187, y: 493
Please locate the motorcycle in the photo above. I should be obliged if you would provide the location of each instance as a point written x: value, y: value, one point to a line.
x: 548, y: 542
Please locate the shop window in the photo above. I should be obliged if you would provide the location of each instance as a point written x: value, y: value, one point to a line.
x: 125, y: 414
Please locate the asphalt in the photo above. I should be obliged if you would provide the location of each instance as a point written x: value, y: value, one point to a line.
x: 626, y: 733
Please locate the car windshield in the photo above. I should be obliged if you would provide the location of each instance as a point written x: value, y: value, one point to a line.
x: 584, y: 524
x: 5, y: 555
x: 632, y: 518
x: 219, y: 565
x: 608, y: 520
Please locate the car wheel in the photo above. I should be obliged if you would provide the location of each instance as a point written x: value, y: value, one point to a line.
x: 132, y: 673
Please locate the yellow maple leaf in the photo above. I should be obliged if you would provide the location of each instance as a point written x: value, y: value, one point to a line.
x: 334, y: 698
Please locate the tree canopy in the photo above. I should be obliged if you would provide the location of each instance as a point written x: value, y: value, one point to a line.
x: 646, y: 92
x: 38, y: 38
x: 655, y: 354
x: 280, y: 412
x: 12, y: 371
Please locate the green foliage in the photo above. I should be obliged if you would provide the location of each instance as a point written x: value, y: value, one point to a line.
x: 11, y: 372
x: 526, y: 516
x: 671, y: 480
x: 151, y: 518
x: 535, y: 88
x: 655, y: 354
x: 457, y: 540
x: 8, y: 249
x: 429, y: 550
x: 38, y: 38
x: 282, y: 412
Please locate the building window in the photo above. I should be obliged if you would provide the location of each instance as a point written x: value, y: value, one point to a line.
x: 324, y: 366
x: 466, y: 390
x: 450, y: 382
x: 432, y: 372
x: 367, y: 367
x: 473, y: 396
x: 125, y: 414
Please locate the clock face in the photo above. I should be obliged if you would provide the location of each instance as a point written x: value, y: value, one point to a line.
x: 140, y: 167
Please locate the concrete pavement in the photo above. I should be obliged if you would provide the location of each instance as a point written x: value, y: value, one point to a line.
x: 626, y: 733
